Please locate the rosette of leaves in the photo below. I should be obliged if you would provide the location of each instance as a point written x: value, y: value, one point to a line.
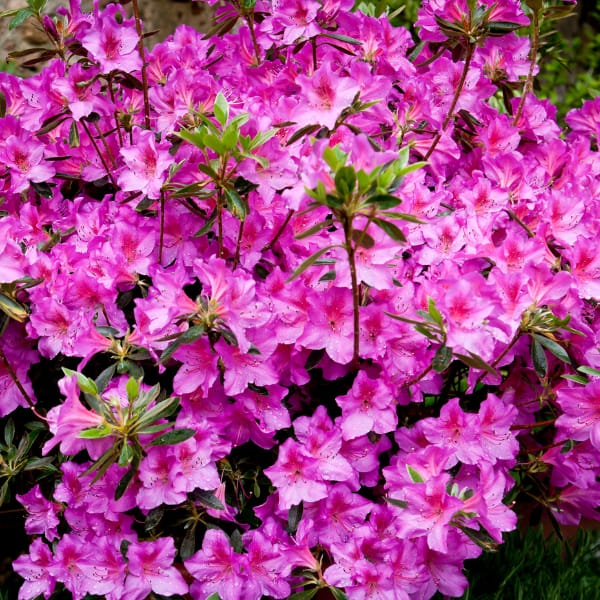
x: 143, y: 415
x: 224, y: 147
x: 358, y: 194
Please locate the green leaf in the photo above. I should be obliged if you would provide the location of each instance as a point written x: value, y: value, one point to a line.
x: 44, y: 463
x: 20, y: 17
x: 306, y: 130
x: 221, y: 109
x: 86, y: 385
x: 9, y: 432
x: 235, y: 539
x: 335, y: 157
x: 126, y: 480
x: 414, y: 475
x: 480, y: 537
x: 215, y: 596
x: 308, y: 262
x: 236, y: 204
x: 187, y: 337
x: 144, y: 399
x: 362, y: 239
x: 345, y: 181
x: 475, y: 361
x: 398, y: 503
x: 132, y: 387
x: 305, y: 594
x: 173, y: 437
x: 207, y: 226
x: 213, y: 142
x: 553, y: 347
x: 4, y: 492
x: 400, y: 215
x: 155, y: 428
x: 231, y: 136
x: 589, y: 371
x: 342, y: 38
x: 42, y: 188
x: 329, y: 276
x: 208, y: 499
x: 96, y: 433
x: 126, y: 455
x: 384, y: 201
x: 101, y: 465
x: 161, y: 410
x: 498, y: 28
x: 261, y: 138
x: 74, y: 141
x: 538, y: 357
x: 314, y: 229
x: 9, y: 13
x: 294, y: 518
x: 442, y: 359
x: 153, y: 518
x: 390, y: 229
x: 434, y: 313
x: 337, y: 593
x: 581, y: 379
x: 188, y: 544
x: 37, y: 5
x: 13, y: 309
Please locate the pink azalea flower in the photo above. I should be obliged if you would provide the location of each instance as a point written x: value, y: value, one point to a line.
x: 146, y: 164
x: 70, y: 554
x: 367, y: 407
x: 69, y: 419
x: 322, y: 440
x: 430, y: 510
x: 296, y: 476
x: 42, y: 514
x: 112, y: 45
x: 496, y: 418
x: 23, y: 155
x: 34, y: 568
x: 149, y: 569
x: 157, y: 475
x: 217, y: 568
x: 268, y: 568
x: 457, y: 430
x: 330, y: 324
x: 326, y: 95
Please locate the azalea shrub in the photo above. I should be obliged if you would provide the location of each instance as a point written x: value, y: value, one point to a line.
x: 302, y: 307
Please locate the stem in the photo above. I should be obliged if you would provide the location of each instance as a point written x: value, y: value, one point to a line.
x: 116, y: 115
x: 347, y: 222
x: 238, y: 246
x: 279, y: 231
x: 418, y: 377
x: 220, y: 221
x: 457, y: 92
x: 105, y: 144
x: 250, y: 21
x: 142, y: 52
x: 162, y: 228
x: 102, y: 159
x: 528, y: 86
x: 534, y: 425
x: 502, y: 354
x: 13, y: 375
x: 313, y: 42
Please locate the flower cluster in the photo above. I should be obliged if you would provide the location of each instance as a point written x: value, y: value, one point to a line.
x: 328, y: 299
